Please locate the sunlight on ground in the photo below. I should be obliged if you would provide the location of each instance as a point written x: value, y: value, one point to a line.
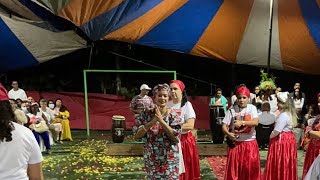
x: 87, y: 159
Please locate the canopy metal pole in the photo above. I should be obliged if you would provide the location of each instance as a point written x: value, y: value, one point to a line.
x: 91, y: 54
x: 270, y: 36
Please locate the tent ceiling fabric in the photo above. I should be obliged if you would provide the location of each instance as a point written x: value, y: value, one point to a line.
x: 227, y: 30
x: 17, y: 7
x: 26, y: 42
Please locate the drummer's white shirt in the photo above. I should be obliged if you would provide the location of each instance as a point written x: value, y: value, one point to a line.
x: 187, y: 110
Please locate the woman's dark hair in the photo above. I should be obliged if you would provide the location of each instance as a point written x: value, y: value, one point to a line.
x: 184, y: 99
x: 6, y: 119
x: 19, y: 102
x: 299, y: 94
x: 63, y: 108
x: 31, y: 108
x: 55, y: 102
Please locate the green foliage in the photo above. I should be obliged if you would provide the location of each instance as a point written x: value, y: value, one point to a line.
x: 129, y: 94
x: 267, y: 83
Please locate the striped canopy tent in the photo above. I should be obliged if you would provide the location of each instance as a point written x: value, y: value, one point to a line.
x: 235, y: 31
x: 26, y: 39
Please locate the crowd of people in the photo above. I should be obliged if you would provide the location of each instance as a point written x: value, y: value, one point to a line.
x: 165, y: 123
x: 280, y: 122
x: 274, y: 118
x: 27, y: 125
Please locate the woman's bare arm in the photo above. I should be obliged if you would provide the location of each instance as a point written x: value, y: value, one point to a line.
x: 35, y: 171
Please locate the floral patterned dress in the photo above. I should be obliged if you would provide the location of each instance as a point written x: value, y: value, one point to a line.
x: 161, y: 154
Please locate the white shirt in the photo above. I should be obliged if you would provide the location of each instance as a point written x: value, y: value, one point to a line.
x: 283, y: 123
x: 249, y: 110
x: 48, y: 113
x: 18, y: 153
x: 233, y: 99
x: 273, y: 103
x: 187, y: 110
x: 298, y: 103
x: 18, y: 94
x: 266, y: 118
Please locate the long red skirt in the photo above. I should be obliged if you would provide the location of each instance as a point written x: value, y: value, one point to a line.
x: 243, y: 162
x: 190, y: 157
x: 312, y: 153
x: 282, y: 158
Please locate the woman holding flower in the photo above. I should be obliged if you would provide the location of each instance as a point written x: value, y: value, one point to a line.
x: 161, y: 128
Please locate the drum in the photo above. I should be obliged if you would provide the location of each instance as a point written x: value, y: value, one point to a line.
x: 118, y: 128
x: 216, y: 117
x: 218, y: 113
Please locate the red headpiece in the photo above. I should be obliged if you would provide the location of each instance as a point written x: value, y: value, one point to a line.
x: 242, y: 90
x: 318, y: 94
x: 3, y: 93
x: 180, y: 84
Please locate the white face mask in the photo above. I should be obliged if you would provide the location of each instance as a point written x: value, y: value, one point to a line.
x: 51, y: 106
x: 24, y: 109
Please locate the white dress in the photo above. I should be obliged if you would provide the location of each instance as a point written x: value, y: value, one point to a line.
x: 314, y: 171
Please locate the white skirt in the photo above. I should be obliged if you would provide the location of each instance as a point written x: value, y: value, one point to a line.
x: 314, y: 171
x: 181, y: 161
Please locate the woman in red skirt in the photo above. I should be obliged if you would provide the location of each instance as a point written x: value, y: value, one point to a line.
x: 282, y: 154
x: 243, y: 161
x: 190, y: 168
x: 314, y: 146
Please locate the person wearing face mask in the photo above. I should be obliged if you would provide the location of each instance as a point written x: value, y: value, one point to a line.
x: 282, y: 152
x: 190, y: 164
x: 24, y: 108
x: 161, y: 129
x: 55, y: 128
x: 51, y: 104
x: 243, y: 159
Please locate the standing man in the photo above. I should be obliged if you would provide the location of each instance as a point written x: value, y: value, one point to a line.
x: 142, y: 102
x: 16, y: 92
x: 219, y: 99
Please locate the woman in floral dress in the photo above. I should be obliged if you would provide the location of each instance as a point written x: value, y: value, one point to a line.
x: 161, y: 128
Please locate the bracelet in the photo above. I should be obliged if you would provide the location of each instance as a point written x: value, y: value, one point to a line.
x: 144, y: 128
x: 243, y: 123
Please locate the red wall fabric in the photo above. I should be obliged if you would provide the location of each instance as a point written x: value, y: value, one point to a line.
x: 103, y: 106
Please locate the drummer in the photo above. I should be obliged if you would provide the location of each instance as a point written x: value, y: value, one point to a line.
x: 142, y: 102
x: 219, y: 100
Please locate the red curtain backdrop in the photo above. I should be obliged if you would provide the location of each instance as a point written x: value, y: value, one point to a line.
x: 103, y: 106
